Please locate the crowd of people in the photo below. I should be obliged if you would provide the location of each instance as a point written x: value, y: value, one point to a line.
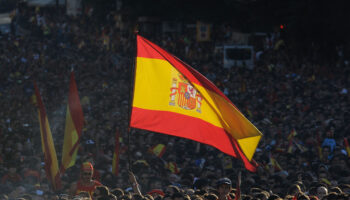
x: 296, y: 98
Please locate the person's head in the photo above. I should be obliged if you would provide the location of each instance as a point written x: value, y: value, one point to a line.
x: 321, y: 192
x: 302, y: 196
x: 12, y: 170
x: 345, y: 188
x: 118, y: 192
x: 274, y: 197
x: 313, y: 197
x: 326, y: 150
x: 83, y: 194
x: 150, y: 197
x: 322, y: 174
x: 262, y: 195
x: 171, y: 189
x: 112, y: 197
x: 330, y: 196
x: 156, y: 192
x: 335, y: 189
x: 180, y: 196
x: 210, y: 196
x: 223, y: 186
x: 137, y: 197
x: 86, y: 171
x: 294, y: 189
x: 100, y: 191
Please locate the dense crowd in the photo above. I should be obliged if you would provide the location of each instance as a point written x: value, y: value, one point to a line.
x: 289, y: 92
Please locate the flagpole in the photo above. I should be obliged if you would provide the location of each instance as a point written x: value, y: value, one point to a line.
x: 131, y: 92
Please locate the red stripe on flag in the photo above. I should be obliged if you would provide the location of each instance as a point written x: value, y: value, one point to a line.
x: 47, y: 154
x: 75, y: 108
x: 175, y: 124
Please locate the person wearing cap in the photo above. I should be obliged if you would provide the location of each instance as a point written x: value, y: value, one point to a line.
x: 85, y: 183
x: 224, y: 187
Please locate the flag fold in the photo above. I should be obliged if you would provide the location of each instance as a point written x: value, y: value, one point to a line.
x: 47, y: 144
x: 74, y: 126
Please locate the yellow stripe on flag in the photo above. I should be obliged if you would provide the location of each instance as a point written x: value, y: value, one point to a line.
x: 70, y: 138
x: 74, y: 126
x: 214, y: 108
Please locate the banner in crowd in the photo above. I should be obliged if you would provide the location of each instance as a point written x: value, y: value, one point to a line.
x: 158, y: 150
x: 116, y: 154
x: 48, y: 147
x: 171, y: 97
x: 203, y: 31
x: 74, y: 126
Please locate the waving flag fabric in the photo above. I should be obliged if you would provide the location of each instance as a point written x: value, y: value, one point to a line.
x: 158, y: 150
x: 74, y: 126
x: 48, y: 147
x: 171, y: 97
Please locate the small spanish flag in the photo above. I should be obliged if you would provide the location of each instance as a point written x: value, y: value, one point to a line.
x: 275, y: 164
x: 291, y: 135
x: 172, y: 167
x: 290, y: 146
x: 158, y: 150
x: 301, y: 147
x: 347, y: 147
x: 115, y: 164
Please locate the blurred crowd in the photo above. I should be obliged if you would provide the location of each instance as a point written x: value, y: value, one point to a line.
x: 295, y: 97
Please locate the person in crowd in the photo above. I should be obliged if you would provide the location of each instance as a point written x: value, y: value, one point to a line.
x: 85, y: 183
x: 224, y: 188
x: 290, y: 88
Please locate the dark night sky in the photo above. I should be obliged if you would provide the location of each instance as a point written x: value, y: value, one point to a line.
x: 309, y: 20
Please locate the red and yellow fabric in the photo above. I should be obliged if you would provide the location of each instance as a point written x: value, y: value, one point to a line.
x: 171, y: 166
x: 172, y: 98
x: 275, y: 164
x: 290, y: 146
x: 74, y: 126
x: 347, y: 147
x: 158, y: 150
x: 47, y: 144
x: 291, y: 135
x: 116, y: 157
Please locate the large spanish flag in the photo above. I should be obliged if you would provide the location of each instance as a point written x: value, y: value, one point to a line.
x: 51, y: 164
x: 171, y: 97
x: 74, y: 126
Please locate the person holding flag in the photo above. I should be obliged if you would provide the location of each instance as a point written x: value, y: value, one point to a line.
x: 85, y: 183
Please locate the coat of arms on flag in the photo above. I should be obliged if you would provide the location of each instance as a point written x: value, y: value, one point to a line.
x: 186, y: 95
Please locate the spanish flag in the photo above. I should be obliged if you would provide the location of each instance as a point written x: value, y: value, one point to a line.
x: 51, y: 164
x: 170, y: 97
x: 275, y: 164
x: 171, y: 166
x: 115, y: 161
x: 74, y: 126
x: 291, y: 135
x: 158, y: 150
